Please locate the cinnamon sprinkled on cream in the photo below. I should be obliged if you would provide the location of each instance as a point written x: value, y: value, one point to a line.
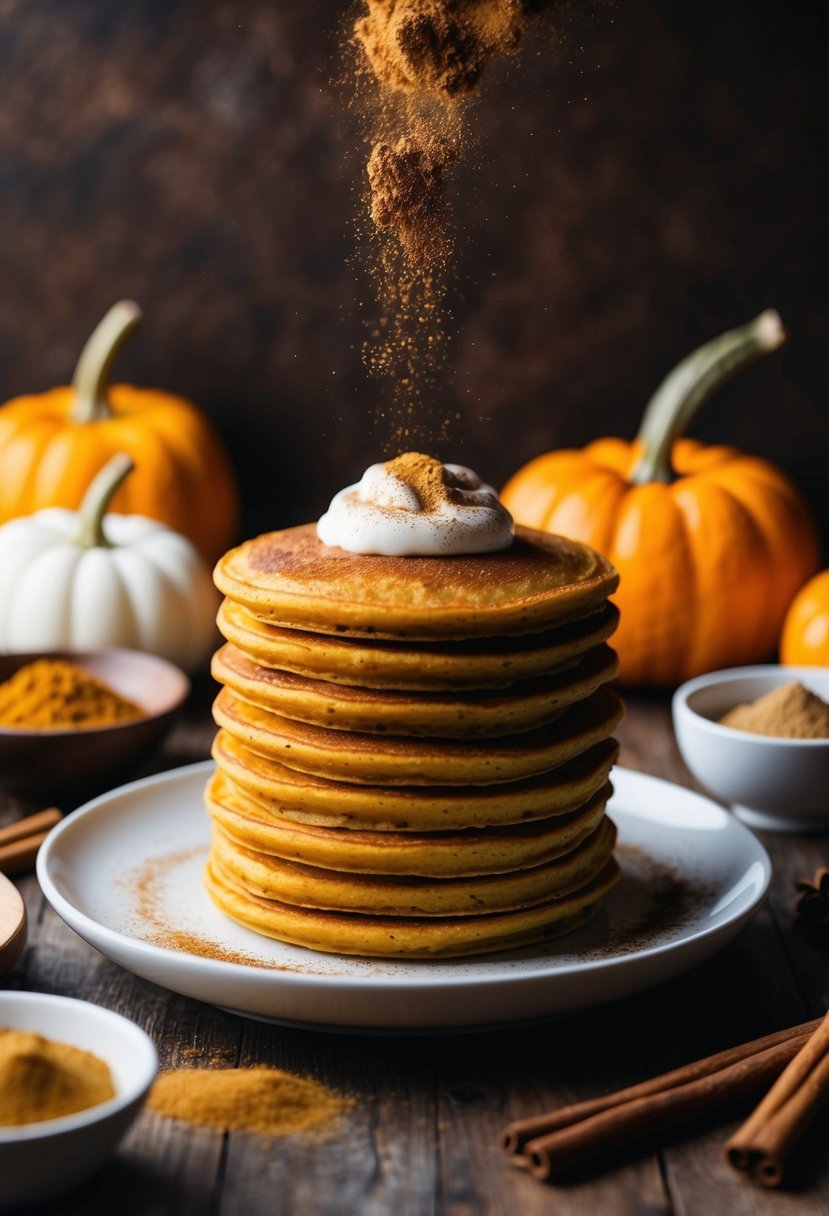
x: 416, y: 506
x: 425, y: 475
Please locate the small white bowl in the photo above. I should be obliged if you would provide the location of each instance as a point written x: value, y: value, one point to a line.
x: 781, y: 784
x: 39, y: 1160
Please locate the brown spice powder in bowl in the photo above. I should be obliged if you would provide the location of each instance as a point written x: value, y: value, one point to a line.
x: 788, y: 712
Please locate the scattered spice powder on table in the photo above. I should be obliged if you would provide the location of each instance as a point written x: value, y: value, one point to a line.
x: 787, y: 712
x: 43, y: 1079
x: 264, y: 1100
x: 53, y: 694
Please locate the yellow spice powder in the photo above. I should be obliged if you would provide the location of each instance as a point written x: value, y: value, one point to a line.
x: 54, y: 694
x: 43, y: 1079
x: 264, y: 1100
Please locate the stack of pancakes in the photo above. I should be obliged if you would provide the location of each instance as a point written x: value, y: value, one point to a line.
x: 413, y: 752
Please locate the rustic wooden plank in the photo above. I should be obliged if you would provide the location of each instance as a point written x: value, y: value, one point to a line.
x: 488, y: 1080
x: 797, y: 857
x: 700, y: 1181
x: 380, y: 1155
x: 780, y: 977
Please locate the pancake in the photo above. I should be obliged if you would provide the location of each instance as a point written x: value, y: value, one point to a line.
x: 292, y: 579
x: 382, y: 895
x: 413, y: 751
x: 381, y: 759
x: 303, y: 798
x: 440, y: 854
x: 482, y: 663
x: 525, y: 706
x: 406, y: 937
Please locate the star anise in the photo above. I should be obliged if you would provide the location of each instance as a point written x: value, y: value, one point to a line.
x: 813, y: 899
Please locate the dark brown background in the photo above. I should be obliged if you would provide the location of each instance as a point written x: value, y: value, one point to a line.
x: 646, y: 175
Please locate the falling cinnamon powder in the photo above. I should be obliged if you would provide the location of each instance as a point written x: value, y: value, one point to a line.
x: 418, y: 63
x: 408, y: 180
x: 438, y: 46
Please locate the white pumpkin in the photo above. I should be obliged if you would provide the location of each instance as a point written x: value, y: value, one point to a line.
x: 83, y: 580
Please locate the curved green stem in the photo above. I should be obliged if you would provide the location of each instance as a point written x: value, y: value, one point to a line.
x: 97, y: 498
x: 692, y: 382
x: 91, y: 379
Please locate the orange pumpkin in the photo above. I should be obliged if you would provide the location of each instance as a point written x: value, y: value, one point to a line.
x: 711, y: 544
x: 53, y: 443
x: 805, y: 638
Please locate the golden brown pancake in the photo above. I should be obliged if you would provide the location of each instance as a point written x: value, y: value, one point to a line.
x: 386, y: 760
x: 435, y: 667
x: 440, y: 854
x: 406, y: 937
x: 304, y: 798
x: 413, y: 751
x: 292, y: 579
x: 522, y: 707
x: 383, y: 895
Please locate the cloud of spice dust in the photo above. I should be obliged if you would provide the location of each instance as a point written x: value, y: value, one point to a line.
x: 417, y: 64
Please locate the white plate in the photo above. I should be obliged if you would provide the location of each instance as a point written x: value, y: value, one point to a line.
x: 125, y: 873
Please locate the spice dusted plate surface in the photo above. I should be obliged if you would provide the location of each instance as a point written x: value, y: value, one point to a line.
x: 126, y: 873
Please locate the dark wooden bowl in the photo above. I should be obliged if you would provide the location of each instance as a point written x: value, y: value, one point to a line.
x: 48, y: 765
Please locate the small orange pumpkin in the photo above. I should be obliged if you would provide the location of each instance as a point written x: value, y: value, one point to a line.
x: 805, y: 638
x: 711, y: 544
x: 53, y: 443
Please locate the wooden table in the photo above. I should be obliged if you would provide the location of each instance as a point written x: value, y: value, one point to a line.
x: 423, y: 1135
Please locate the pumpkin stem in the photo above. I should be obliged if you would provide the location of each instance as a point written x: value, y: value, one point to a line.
x: 91, y: 512
x: 692, y: 382
x: 91, y: 379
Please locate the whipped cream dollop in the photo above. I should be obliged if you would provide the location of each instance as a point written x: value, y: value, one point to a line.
x: 416, y: 506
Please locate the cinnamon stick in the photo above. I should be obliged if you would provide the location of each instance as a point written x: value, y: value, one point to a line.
x: 21, y: 855
x: 517, y: 1134
x: 646, y: 1119
x: 762, y: 1146
x: 20, y: 841
x: 41, y: 821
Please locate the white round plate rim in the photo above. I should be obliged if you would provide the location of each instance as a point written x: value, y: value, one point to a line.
x: 699, y: 943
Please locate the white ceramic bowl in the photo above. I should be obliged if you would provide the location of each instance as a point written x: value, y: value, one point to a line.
x: 782, y: 784
x: 39, y: 1160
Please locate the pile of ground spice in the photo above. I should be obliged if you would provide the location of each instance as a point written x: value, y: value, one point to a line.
x: 42, y: 1079
x: 788, y: 712
x: 263, y: 1100
x: 425, y: 475
x: 52, y: 694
